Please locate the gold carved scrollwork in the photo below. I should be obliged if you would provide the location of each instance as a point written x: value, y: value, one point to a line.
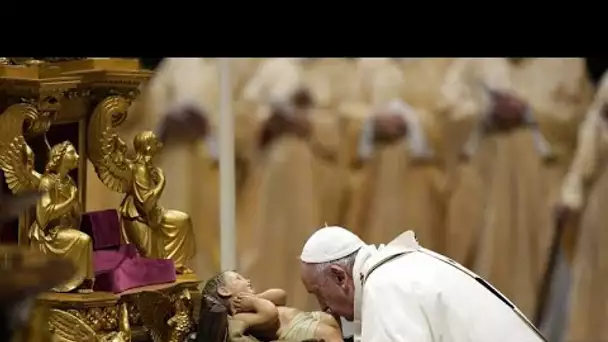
x: 12, y: 123
x: 106, y: 324
x: 113, y: 102
x: 117, y: 106
x: 17, y: 117
x: 98, y: 318
x: 61, y: 59
x: 35, y: 61
x: 77, y: 93
x: 167, y: 317
x: 111, y: 111
x: 104, y: 144
x: 30, y: 116
x: 134, y: 316
x: 20, y: 61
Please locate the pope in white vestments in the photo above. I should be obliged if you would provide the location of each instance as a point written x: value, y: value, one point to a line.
x: 403, y: 292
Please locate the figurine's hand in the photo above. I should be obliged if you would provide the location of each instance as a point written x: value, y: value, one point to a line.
x: 76, y: 207
x: 243, y: 302
x: 73, y: 192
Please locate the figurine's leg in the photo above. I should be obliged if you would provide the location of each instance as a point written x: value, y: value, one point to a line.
x: 183, y: 270
x: 86, y: 286
x: 140, y: 234
x: 177, y: 239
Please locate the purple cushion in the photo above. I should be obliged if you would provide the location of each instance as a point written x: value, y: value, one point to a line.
x: 123, y: 269
x: 103, y: 227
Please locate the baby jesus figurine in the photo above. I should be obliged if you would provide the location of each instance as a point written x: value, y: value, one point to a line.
x: 265, y: 315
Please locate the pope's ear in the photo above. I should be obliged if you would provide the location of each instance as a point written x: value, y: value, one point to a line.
x: 223, y: 291
x: 337, y: 272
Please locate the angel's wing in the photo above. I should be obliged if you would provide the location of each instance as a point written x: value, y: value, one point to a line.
x: 106, y: 150
x: 69, y: 328
x: 155, y: 310
x: 17, y: 163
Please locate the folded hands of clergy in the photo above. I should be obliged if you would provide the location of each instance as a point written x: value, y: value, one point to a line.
x: 389, y: 127
x: 508, y: 110
x: 187, y: 122
x: 565, y: 216
x: 285, y: 121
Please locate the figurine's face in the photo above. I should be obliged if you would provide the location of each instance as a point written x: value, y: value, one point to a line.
x: 153, y: 146
x: 70, y: 158
x: 235, y: 283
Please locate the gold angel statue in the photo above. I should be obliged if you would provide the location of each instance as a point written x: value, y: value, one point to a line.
x: 155, y: 231
x: 167, y: 318
x: 55, y: 229
x: 66, y: 327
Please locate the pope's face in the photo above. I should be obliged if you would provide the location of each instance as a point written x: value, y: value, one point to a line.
x: 332, y: 286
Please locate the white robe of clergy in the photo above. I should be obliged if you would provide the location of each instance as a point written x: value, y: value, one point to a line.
x: 405, y: 293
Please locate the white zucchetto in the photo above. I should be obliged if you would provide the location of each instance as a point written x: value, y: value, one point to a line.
x: 329, y: 244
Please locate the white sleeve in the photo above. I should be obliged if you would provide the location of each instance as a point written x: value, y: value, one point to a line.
x: 396, y: 312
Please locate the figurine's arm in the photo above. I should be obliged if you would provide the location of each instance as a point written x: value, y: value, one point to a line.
x: 147, y: 196
x: 264, y: 315
x: 46, y: 210
x: 161, y: 182
x: 277, y: 296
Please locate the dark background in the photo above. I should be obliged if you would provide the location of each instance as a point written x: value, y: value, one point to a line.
x: 150, y: 63
x: 596, y: 68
